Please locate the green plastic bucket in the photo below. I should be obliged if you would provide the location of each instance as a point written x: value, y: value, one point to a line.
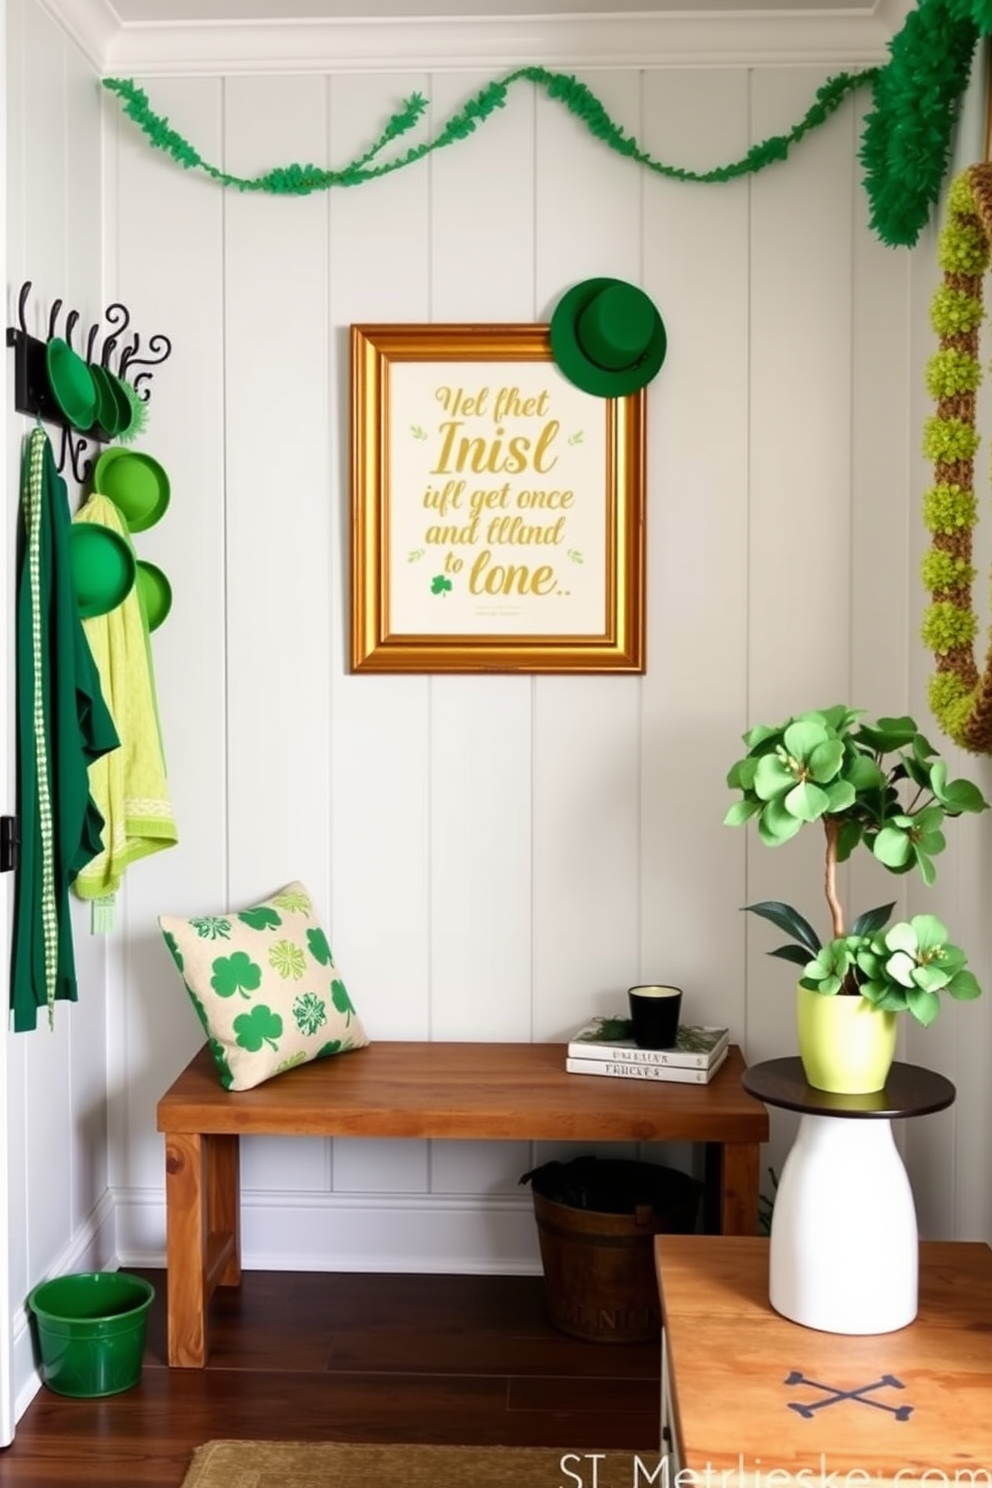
x: 91, y: 1329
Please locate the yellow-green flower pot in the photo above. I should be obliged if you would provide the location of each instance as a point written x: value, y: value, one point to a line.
x: 846, y: 1045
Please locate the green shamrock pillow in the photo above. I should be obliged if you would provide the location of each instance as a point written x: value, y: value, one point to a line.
x: 265, y: 987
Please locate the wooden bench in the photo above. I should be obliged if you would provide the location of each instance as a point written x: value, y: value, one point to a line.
x: 500, y: 1092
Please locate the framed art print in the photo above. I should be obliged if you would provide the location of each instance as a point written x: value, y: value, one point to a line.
x: 497, y: 509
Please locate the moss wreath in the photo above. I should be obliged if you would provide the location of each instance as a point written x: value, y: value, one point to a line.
x: 960, y: 697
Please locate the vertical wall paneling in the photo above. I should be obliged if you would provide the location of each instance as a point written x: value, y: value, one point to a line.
x: 482, y: 270
x: 278, y: 522
x: 7, y: 729
x: 46, y: 207
x: 586, y: 783
x: 800, y: 484
x: 83, y: 284
x: 55, y: 1087
x: 799, y: 563
x: 380, y: 819
x: 164, y: 231
x: 801, y: 312
x: 278, y: 508
x: 969, y: 1216
x: 696, y: 263
x: 884, y: 499
x: 494, y: 856
x: 16, y: 1048
x: 885, y: 504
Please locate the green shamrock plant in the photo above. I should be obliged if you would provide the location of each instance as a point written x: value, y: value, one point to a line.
x: 878, y: 785
x: 909, y: 966
x: 440, y: 585
x: 903, y: 970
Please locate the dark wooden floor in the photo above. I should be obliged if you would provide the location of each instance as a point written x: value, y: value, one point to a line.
x: 460, y: 1359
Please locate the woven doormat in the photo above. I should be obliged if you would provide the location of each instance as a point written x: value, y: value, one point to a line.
x: 246, y: 1464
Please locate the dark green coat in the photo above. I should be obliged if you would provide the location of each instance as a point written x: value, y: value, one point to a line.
x: 62, y: 725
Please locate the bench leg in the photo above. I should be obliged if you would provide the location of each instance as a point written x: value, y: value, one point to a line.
x: 739, y: 1208
x: 224, y: 1209
x: 202, y: 1202
x: 731, y: 1188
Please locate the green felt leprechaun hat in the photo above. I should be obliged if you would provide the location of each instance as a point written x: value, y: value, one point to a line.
x: 607, y: 337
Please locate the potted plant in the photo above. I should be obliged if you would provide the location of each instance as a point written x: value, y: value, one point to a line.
x: 876, y: 785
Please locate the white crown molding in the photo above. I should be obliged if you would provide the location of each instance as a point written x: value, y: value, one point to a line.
x: 674, y: 39
x: 92, y: 25
x: 684, y: 38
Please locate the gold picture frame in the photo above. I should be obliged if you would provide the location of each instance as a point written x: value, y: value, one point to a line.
x: 497, y: 509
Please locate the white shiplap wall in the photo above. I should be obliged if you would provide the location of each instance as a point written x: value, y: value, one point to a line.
x: 498, y: 856
x: 60, y: 1214
x: 6, y: 896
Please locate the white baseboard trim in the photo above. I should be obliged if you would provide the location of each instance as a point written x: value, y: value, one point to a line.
x: 444, y: 1234
x: 92, y: 1248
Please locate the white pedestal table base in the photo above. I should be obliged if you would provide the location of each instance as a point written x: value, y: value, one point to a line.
x: 844, y: 1253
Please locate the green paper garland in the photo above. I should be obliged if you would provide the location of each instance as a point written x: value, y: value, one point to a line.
x: 960, y: 697
x: 300, y: 180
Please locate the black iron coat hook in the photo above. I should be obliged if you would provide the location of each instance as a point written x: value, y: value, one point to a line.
x: 33, y: 394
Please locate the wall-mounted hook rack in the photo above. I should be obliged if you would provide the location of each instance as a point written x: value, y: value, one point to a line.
x: 159, y: 346
x: 33, y: 394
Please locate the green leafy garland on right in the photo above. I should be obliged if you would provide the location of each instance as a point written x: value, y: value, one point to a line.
x: 960, y: 697
x: 906, y: 140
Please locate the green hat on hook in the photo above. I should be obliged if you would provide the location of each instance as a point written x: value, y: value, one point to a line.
x: 129, y: 405
x: 108, y: 414
x: 71, y: 382
x: 607, y: 337
x: 136, y: 484
x: 154, y: 592
x: 102, y: 566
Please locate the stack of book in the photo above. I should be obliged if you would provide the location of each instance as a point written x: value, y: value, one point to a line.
x: 605, y: 1047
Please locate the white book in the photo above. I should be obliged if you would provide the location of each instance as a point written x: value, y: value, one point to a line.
x: 671, y: 1074
x: 698, y: 1046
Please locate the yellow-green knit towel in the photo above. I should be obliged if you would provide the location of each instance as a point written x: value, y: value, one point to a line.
x: 129, y: 785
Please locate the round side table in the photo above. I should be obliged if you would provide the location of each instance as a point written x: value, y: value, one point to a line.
x: 844, y: 1249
